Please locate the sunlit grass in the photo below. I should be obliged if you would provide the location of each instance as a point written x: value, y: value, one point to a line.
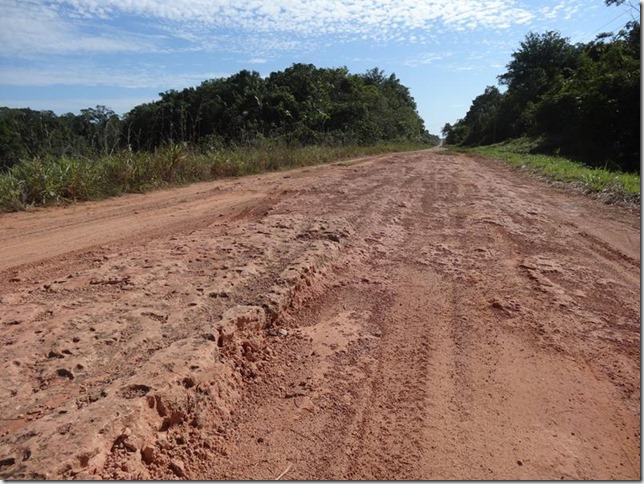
x: 561, y: 169
x: 46, y: 181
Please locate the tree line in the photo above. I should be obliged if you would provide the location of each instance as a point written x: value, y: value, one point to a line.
x: 580, y: 100
x: 300, y: 105
x: 26, y: 133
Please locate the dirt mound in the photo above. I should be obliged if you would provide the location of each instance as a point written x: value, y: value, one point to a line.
x: 139, y: 348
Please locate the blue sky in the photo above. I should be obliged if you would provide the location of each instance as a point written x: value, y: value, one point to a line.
x: 66, y: 55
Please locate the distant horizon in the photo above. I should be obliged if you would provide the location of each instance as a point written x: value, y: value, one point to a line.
x: 68, y: 55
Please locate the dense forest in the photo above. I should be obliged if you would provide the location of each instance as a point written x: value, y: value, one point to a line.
x: 302, y: 105
x: 580, y: 100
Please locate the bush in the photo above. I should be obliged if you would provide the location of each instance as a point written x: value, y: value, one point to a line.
x: 42, y: 181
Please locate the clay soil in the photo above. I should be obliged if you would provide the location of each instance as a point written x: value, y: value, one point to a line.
x: 423, y: 315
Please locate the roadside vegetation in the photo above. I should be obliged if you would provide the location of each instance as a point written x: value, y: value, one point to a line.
x: 611, y: 185
x: 577, y: 102
x: 55, y: 180
x: 232, y: 126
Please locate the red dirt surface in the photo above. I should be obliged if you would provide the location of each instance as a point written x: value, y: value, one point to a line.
x: 410, y: 316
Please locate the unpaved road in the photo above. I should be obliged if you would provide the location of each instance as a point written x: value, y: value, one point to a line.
x: 411, y: 316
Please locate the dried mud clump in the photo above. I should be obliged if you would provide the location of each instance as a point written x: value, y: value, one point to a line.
x: 141, y: 360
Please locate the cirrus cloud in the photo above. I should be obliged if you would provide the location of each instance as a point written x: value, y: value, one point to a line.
x: 29, y: 27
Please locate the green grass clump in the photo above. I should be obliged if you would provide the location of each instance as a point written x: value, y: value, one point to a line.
x: 617, y: 185
x: 46, y: 181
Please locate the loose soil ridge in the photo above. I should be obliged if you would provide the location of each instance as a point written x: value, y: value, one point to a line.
x: 411, y: 316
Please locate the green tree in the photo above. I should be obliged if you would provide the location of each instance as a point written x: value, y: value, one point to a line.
x: 540, y: 59
x: 101, y: 127
x: 302, y: 104
x: 25, y: 133
x: 482, y: 117
x: 594, y: 114
x: 457, y: 133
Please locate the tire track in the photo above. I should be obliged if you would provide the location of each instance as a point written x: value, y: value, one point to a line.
x: 412, y: 316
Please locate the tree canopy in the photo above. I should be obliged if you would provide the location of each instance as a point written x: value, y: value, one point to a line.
x: 25, y: 133
x: 581, y: 100
x: 302, y: 104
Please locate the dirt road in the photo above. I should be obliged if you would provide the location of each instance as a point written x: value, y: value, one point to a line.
x: 411, y: 316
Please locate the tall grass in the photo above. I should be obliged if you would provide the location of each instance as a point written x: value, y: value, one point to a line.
x: 611, y: 185
x: 46, y: 181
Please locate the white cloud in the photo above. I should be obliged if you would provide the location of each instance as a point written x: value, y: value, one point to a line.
x: 461, y: 68
x: 28, y: 29
x: 57, y: 24
x: 259, y: 27
x: 86, y: 74
x: 424, y: 59
x: 48, y: 42
x: 564, y: 9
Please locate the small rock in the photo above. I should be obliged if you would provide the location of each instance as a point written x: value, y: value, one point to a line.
x: 177, y: 467
x: 84, y: 459
x: 65, y: 373
x: 333, y: 237
x: 7, y: 461
x: 295, y: 393
x: 147, y: 454
x: 282, y: 332
x: 129, y: 446
x: 496, y: 304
